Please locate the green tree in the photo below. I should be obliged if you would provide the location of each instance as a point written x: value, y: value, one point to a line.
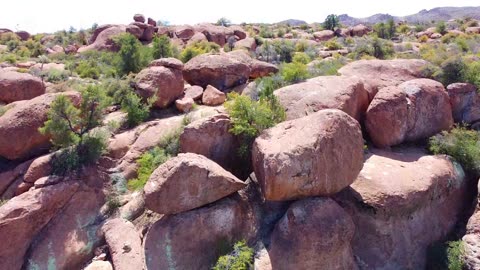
x: 391, y: 28
x: 241, y: 258
x: 331, y: 22
x: 441, y: 27
x: 162, y: 47
x: 130, y: 55
x: 224, y: 22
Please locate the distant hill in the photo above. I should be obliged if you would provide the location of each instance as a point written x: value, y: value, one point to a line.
x: 435, y: 14
x: 293, y: 22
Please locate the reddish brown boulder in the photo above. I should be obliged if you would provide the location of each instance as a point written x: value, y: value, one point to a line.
x: 239, y: 32
x: 148, y: 33
x: 71, y: 49
x: 213, y: 97
x: 257, y: 68
x: 172, y: 63
x: 324, y: 35
x: 465, y: 102
x: 39, y: 168
x: 247, y: 43
x: 11, y: 176
x: 152, y: 22
x: 70, y: 238
x: 214, y: 33
x: 184, y: 32
x: 139, y: 18
x: 211, y: 138
x: 359, y: 30
x: 19, y: 135
x: 164, y: 80
x: 401, y: 203
x: 105, y: 39
x: 471, y: 242
x: 169, y: 241
x: 325, y: 92
x: 314, y: 232
x: 301, y: 157
x: 124, y: 244
x: 195, y: 92
x: 98, y: 30
x: 99, y: 265
x: 184, y: 104
x: 221, y: 71
x: 15, y: 86
x: 377, y: 74
x: 22, y: 217
x: 23, y: 35
x: 134, y: 30
x: 186, y: 182
x: 197, y: 37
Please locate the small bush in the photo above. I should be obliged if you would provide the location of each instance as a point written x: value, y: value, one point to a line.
x: 453, y: 70
x: 472, y: 73
x: 55, y: 75
x: 88, y: 69
x: 294, y: 72
x: 333, y: 44
x: 9, y: 58
x: 461, y: 144
x: 241, y: 258
x: 327, y: 67
x: 137, y: 110
x: 455, y: 253
x: 131, y: 56
x: 198, y: 48
x: 441, y: 27
x: 302, y: 58
x: 162, y: 47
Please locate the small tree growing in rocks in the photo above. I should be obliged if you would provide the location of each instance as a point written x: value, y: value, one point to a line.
x: 331, y: 22
x: 162, y: 47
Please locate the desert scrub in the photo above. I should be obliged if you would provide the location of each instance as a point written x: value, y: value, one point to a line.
x: 241, y: 258
x: 198, y: 48
x: 461, y: 144
x: 455, y: 253
x: 333, y: 45
x: 327, y: 67
x: 294, y: 72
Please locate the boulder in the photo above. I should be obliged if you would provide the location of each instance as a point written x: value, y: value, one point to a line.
x: 184, y: 104
x: 104, y: 41
x: 97, y: 31
x: 325, y: 92
x: 24, y: 216
x: 15, y: 86
x: 19, y: 135
x: 247, y: 43
x: 211, y: 138
x: 299, y: 158
x: 23, y: 35
x: 148, y: 33
x: 314, y: 232
x: 220, y: 71
x: 213, y: 97
x: 124, y: 243
x: 134, y: 30
x: 324, y: 35
x: 9, y: 178
x: 238, y: 32
x: 401, y: 203
x: 186, y: 182
x: 257, y: 68
x: 359, y: 30
x: 40, y: 167
x: 70, y: 237
x: 471, y: 242
x: 194, y: 92
x: 168, y: 244
x: 99, y: 265
x: 472, y: 30
x: 139, y: 18
x: 184, y: 32
x: 197, y: 37
x: 377, y: 74
x: 162, y: 78
x: 152, y: 22
x: 465, y: 102
x: 214, y: 33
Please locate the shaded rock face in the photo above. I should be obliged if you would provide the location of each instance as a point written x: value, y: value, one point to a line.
x: 377, y: 74
x: 168, y: 244
x: 414, y: 110
x: 315, y: 232
x: 301, y: 158
x: 19, y: 135
x: 471, y: 242
x: 465, y: 102
x: 15, y: 86
x: 220, y: 71
x: 163, y: 78
x: 25, y: 215
x: 71, y: 237
x: 188, y: 181
x: 124, y: 244
x: 325, y: 92
x: 401, y: 203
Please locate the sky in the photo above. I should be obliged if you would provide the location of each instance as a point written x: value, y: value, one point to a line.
x: 36, y: 16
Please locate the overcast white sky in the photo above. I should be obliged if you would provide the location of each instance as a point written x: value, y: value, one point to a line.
x: 51, y: 15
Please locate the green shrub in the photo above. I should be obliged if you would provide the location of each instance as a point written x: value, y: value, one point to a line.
x: 333, y: 44
x: 461, y: 144
x: 441, y: 27
x: 88, y: 69
x: 137, y: 110
x: 131, y: 56
x: 162, y: 47
x: 301, y: 57
x: 55, y: 75
x: 6, y: 37
x: 404, y: 29
x: 198, y: 48
x: 382, y: 49
x: 241, y: 258
x: 284, y: 49
x: 331, y: 22
x: 327, y: 67
x: 9, y: 57
x: 149, y: 161
x: 472, y: 73
x: 453, y: 70
x: 455, y: 253
x: 294, y: 72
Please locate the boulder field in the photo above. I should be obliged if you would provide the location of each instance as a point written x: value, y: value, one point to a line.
x: 310, y: 196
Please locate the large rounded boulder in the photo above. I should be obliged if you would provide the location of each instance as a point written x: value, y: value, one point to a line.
x: 317, y: 155
x: 465, y: 101
x: 162, y: 78
x: 15, y: 86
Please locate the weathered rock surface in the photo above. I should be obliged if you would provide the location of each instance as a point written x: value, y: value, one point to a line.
x: 471, y: 242
x: 99, y: 265
x: 315, y: 233
x: 465, y: 102
x: 15, y: 86
x: 325, y: 92
x: 195, y: 92
x: 258, y: 68
x: 163, y: 79
x: 301, y: 157
x: 39, y: 168
x: 323, y: 35
x: 104, y: 39
x: 168, y: 244
x: 184, y: 104
x: 401, y: 203
x: 124, y: 243
x: 188, y: 181
x: 24, y: 216
x: 19, y: 135
x: 213, y: 97
x: 221, y: 71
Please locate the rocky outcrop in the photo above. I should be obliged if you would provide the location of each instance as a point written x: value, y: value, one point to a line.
x: 124, y: 243
x: 19, y: 135
x: 188, y: 181
x: 323, y: 35
x: 359, y: 30
x: 377, y: 74
x: 15, y: 86
x: 465, y: 102
x: 301, y: 157
x: 315, y: 232
x: 162, y: 78
x: 325, y: 92
x: 104, y: 39
x: 139, y: 18
x: 168, y: 244
x: 401, y: 203
x: 25, y: 215
x: 213, y: 97
x: 258, y: 68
